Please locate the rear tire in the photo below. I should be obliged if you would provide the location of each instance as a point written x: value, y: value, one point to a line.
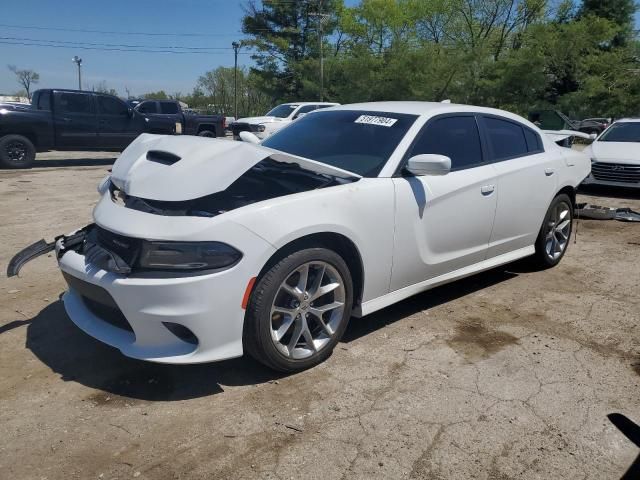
x: 207, y: 133
x: 295, y: 319
x: 16, y: 151
x: 555, y: 232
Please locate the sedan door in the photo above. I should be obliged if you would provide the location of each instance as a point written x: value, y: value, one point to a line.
x: 444, y: 223
x: 527, y: 180
x: 75, y: 120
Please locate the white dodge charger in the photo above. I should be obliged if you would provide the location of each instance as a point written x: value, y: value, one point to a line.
x: 203, y: 249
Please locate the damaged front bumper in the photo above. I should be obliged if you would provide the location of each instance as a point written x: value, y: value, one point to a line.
x: 165, y: 317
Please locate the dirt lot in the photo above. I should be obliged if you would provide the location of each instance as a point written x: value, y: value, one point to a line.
x: 508, y: 374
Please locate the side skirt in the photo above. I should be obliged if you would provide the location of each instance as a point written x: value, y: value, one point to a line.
x: 393, y: 297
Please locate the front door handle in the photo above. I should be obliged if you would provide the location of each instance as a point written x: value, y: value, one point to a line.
x: 549, y: 171
x: 487, y: 189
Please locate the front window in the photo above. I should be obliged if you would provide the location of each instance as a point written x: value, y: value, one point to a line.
x: 357, y: 141
x: 282, y: 111
x: 622, y: 132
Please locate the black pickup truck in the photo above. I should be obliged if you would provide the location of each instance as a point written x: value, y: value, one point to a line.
x: 74, y: 120
x: 187, y: 122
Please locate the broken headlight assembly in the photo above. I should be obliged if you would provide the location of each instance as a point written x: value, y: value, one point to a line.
x: 189, y: 256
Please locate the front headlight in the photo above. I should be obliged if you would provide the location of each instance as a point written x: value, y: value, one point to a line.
x: 259, y: 128
x: 187, y: 255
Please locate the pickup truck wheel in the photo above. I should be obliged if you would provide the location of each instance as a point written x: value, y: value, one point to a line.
x: 207, y: 133
x: 16, y: 151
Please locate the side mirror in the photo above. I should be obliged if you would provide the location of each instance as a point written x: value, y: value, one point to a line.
x: 299, y: 115
x: 249, y: 138
x: 429, y: 164
x: 130, y: 112
x: 593, y: 136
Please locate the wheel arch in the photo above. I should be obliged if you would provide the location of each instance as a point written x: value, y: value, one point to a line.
x: 570, y: 191
x: 207, y: 126
x: 337, y: 242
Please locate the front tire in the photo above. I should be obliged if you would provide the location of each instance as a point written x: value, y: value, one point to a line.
x: 555, y: 232
x: 16, y: 151
x: 299, y: 310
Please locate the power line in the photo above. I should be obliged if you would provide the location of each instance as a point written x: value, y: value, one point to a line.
x: 33, y: 44
x: 109, y: 32
x: 173, y: 47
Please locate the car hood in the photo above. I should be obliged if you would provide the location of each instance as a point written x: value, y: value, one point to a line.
x: 176, y: 168
x: 257, y: 120
x: 622, y: 152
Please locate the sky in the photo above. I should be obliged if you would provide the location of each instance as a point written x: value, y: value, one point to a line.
x: 141, y: 72
x: 202, y: 24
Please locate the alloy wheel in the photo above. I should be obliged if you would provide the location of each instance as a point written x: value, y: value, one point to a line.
x: 558, y: 231
x: 307, y: 310
x: 16, y: 151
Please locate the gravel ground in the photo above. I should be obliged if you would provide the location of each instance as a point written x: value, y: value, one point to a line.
x: 507, y: 374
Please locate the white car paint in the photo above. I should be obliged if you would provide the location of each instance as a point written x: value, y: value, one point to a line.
x: 615, y: 164
x: 272, y: 124
x: 411, y: 233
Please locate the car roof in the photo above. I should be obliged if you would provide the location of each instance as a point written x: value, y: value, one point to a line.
x: 310, y: 103
x: 428, y: 108
x: 627, y: 120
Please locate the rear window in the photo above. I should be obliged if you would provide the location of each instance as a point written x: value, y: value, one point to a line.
x: 506, y: 138
x: 169, y: 108
x: 357, y: 141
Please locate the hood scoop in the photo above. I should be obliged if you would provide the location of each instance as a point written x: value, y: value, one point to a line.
x: 178, y: 168
x: 165, y: 158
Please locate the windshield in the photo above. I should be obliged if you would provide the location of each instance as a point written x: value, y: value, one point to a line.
x: 281, y: 111
x: 622, y: 132
x: 357, y: 141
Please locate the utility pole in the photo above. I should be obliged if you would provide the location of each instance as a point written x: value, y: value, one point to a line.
x: 321, y: 19
x: 236, y: 46
x: 78, y: 61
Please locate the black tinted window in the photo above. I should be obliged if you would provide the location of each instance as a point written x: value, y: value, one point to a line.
x: 534, y: 143
x: 74, y: 102
x: 455, y: 137
x: 506, y: 138
x: 44, y: 100
x: 168, y: 108
x: 111, y: 106
x: 356, y: 141
x: 147, y: 107
x: 306, y: 109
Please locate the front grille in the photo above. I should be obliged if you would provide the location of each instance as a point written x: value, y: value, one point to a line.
x: 99, y: 302
x: 127, y: 248
x: 616, y: 172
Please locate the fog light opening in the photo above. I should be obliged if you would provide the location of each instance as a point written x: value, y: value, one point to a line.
x: 182, y: 332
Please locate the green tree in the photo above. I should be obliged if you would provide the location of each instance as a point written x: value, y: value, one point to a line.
x: 620, y: 12
x: 159, y: 95
x: 284, y: 36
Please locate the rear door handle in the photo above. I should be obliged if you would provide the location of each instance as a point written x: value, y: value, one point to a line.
x: 487, y: 189
x: 549, y: 171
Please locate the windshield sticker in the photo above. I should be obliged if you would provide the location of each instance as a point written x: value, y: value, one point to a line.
x: 373, y: 120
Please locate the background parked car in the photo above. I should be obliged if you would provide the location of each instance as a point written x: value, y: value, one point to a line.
x: 275, y: 119
x: 186, y: 122
x: 615, y: 155
x: 69, y: 120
